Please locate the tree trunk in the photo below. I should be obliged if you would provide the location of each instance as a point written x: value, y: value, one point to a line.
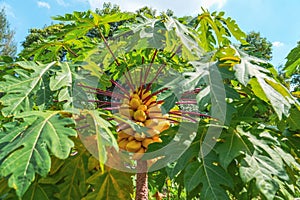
x: 141, y: 181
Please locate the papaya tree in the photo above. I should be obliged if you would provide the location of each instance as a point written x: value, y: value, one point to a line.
x: 158, y: 106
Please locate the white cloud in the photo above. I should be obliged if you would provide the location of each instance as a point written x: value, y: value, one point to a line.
x: 8, y: 9
x: 62, y: 3
x: 277, y: 44
x: 43, y: 4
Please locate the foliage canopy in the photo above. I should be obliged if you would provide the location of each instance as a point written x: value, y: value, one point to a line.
x: 41, y: 156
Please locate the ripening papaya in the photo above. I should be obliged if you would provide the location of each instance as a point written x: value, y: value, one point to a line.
x: 151, y: 122
x: 156, y: 138
x: 123, y: 143
x: 142, y: 107
x: 151, y: 132
x: 126, y: 111
x: 134, y: 103
x: 136, y: 96
x: 122, y: 134
x: 140, y: 115
x: 146, y: 142
x: 130, y: 138
x: 133, y: 146
x: 139, y: 136
x: 128, y: 131
x: 162, y: 126
x: 138, y: 155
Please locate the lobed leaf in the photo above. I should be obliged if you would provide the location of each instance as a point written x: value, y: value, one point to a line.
x: 20, y: 88
x: 29, y: 145
x: 211, y: 175
x: 110, y: 184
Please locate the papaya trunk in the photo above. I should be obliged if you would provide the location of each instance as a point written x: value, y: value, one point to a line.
x: 141, y: 181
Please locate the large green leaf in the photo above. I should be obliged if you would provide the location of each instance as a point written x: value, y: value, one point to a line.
x: 263, y: 164
x: 232, y: 146
x: 20, y: 88
x: 38, y: 191
x: 111, y: 184
x: 70, y: 178
x: 28, y: 147
x: 264, y: 85
x: 211, y: 175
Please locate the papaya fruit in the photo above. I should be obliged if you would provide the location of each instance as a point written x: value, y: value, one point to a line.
x: 146, y: 142
x: 139, y: 136
x: 140, y: 115
x: 142, y: 107
x: 133, y: 146
x: 134, y: 103
x: 149, y: 123
x: 138, y: 155
x: 123, y: 143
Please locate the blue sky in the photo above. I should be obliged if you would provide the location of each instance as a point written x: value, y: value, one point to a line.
x: 277, y: 20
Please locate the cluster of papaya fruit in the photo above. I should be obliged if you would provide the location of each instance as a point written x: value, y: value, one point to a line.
x: 143, y: 108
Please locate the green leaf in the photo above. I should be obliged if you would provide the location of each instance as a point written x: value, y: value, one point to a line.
x: 70, y: 178
x: 210, y: 175
x: 62, y: 78
x: 111, y: 184
x: 236, y: 31
x: 96, y: 135
x: 116, y: 17
x: 265, y: 86
x: 294, y: 119
x: 38, y: 191
x: 293, y: 61
x: 232, y: 146
x: 263, y: 164
x: 28, y: 147
x: 21, y: 87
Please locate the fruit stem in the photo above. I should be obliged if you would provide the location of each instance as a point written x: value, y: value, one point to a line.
x: 141, y: 181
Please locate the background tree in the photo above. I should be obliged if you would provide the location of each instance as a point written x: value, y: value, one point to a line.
x: 258, y: 46
x: 7, y: 44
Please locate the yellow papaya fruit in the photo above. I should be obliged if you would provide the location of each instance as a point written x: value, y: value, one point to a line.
x: 130, y: 138
x: 128, y: 112
x: 135, y: 96
x: 162, y: 126
x: 142, y: 107
x: 151, y: 122
x: 122, y: 134
x: 140, y: 115
x: 139, y: 136
x: 140, y: 123
x: 123, y: 143
x: 129, y: 131
x: 151, y: 132
x: 157, y: 139
x: 138, y: 155
x: 133, y: 146
x: 134, y: 103
x: 146, y: 142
